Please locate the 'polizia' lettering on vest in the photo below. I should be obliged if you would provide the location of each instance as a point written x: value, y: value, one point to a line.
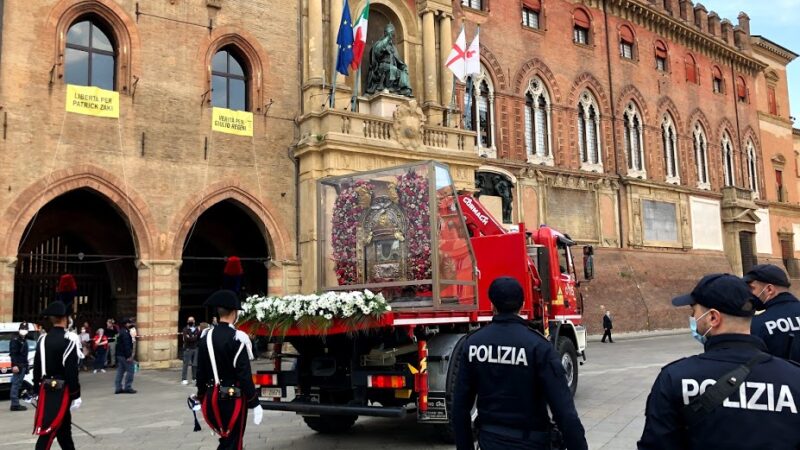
x: 498, y: 354
x: 784, y: 325
x: 753, y: 395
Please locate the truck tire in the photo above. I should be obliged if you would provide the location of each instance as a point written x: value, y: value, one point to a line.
x: 330, y: 424
x: 446, y: 430
x: 569, y: 360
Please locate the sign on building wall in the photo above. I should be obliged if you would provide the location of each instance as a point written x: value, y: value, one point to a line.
x: 763, y: 232
x: 229, y: 121
x: 660, y: 221
x: 574, y: 212
x: 706, y: 224
x: 92, y: 101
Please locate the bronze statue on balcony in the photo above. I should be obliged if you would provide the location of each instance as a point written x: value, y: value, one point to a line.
x: 387, y: 72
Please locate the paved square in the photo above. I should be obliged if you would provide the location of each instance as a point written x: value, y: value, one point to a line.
x: 612, y: 391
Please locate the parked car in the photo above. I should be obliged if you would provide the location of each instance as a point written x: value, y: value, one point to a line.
x: 8, y: 330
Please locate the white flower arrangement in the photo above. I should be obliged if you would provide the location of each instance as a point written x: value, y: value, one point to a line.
x: 315, y: 311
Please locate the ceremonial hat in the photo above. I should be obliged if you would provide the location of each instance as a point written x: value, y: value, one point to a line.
x: 506, y: 294
x: 224, y: 298
x: 767, y: 273
x: 724, y: 292
x: 67, y: 290
x: 56, y: 308
x: 232, y: 274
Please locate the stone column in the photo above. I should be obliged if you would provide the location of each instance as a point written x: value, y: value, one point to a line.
x: 315, y: 41
x: 429, y: 56
x: 157, y: 312
x: 445, y: 43
x: 8, y: 266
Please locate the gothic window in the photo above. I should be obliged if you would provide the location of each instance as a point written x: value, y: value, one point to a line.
x: 89, y: 56
x: 589, y: 133
x: 727, y: 160
x: 752, y: 167
x: 701, y: 156
x: 479, y: 112
x: 229, y: 80
x: 537, y: 123
x: 634, y: 141
x: 669, y: 142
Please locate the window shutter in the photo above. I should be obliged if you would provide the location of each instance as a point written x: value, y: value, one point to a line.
x: 773, y: 104
x: 661, y: 50
x: 581, y: 19
x: 535, y: 5
x: 741, y: 88
x: 626, y: 34
x: 691, y: 69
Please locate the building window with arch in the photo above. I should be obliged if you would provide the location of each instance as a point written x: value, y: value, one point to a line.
x: 89, y: 55
x: 741, y: 90
x: 537, y: 123
x: 474, y: 4
x: 669, y: 141
x: 229, y: 80
x: 480, y: 114
x: 701, y: 156
x: 626, y: 42
x: 727, y: 160
x: 752, y: 168
x: 581, y: 27
x: 662, y: 57
x: 634, y: 141
x: 717, y: 83
x: 531, y: 13
x: 589, y: 133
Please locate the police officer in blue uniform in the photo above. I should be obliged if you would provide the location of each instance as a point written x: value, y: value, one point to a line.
x: 734, y: 395
x: 779, y: 324
x: 515, y: 373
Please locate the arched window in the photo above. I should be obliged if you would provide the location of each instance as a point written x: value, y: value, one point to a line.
x: 480, y: 115
x: 691, y: 69
x: 589, y: 133
x: 669, y: 141
x: 727, y: 160
x: 537, y: 123
x: 741, y: 90
x: 701, y: 156
x: 752, y: 167
x: 662, y: 60
x: 89, y: 55
x: 626, y: 42
x: 634, y: 141
x: 229, y: 79
x: 717, y: 83
x: 581, y: 27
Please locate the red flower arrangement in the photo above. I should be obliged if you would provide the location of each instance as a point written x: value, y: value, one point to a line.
x: 412, y: 193
x: 347, y: 211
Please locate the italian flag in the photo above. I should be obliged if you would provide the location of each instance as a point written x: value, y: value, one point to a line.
x: 360, y: 36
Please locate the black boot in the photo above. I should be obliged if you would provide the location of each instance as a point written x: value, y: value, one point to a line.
x: 18, y: 408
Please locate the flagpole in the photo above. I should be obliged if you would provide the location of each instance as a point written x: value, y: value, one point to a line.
x: 356, y: 87
x: 335, y: 75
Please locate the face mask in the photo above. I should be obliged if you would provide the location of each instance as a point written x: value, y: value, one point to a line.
x: 701, y: 338
x: 191, y: 323
x: 83, y: 330
x: 762, y: 291
x: 23, y: 333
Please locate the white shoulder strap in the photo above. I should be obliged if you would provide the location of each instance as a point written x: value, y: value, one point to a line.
x: 242, y: 337
x: 211, y: 355
x: 41, y: 356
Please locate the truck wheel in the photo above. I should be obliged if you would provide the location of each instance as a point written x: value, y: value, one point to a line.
x: 569, y: 360
x: 446, y: 430
x: 330, y: 424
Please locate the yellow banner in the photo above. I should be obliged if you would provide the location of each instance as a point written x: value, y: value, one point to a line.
x: 92, y: 101
x: 232, y: 122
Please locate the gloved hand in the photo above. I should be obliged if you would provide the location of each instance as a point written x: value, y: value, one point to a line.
x: 258, y: 414
x: 75, y: 404
x: 195, y: 403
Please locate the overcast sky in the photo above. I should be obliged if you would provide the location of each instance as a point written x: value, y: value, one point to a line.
x: 776, y: 20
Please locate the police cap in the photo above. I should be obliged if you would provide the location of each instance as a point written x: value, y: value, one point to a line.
x: 506, y: 294
x: 724, y: 292
x: 57, y: 309
x: 769, y: 274
x: 224, y: 298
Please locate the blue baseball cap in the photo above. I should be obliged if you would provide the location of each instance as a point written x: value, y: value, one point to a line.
x: 769, y: 274
x: 724, y: 292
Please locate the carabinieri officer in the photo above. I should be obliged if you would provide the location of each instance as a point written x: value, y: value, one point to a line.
x: 779, y: 324
x: 734, y: 396
x: 515, y: 373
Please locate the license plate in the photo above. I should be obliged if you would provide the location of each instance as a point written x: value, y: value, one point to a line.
x: 271, y: 392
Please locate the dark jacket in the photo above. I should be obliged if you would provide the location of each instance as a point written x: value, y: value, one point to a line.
x: 124, y: 343
x: 190, y: 337
x: 515, y: 373
x: 779, y: 326
x: 57, y: 364
x: 768, y: 420
x: 233, y: 363
x: 607, y: 323
x: 18, y: 351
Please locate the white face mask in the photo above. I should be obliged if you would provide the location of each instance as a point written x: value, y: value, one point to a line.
x: 23, y: 333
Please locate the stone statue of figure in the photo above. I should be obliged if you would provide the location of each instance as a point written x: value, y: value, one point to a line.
x: 503, y: 190
x: 386, y: 70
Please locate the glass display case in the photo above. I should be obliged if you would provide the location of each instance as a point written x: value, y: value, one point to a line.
x: 398, y: 231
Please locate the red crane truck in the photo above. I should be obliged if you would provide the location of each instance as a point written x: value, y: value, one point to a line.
x: 380, y: 230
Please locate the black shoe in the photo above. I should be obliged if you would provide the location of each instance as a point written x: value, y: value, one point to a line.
x: 129, y: 391
x: 119, y: 391
x: 18, y: 408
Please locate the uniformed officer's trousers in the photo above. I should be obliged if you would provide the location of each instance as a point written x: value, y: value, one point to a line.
x: 494, y: 441
x: 63, y: 434
x: 234, y: 440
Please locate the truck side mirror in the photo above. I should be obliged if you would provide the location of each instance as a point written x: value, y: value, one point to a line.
x: 588, y: 262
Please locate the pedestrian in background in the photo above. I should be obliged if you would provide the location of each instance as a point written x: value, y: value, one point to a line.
x: 112, y: 329
x: 124, y: 380
x: 190, y: 337
x: 100, y: 345
x: 779, y: 324
x: 86, y: 347
x: 607, y: 326
x: 18, y: 352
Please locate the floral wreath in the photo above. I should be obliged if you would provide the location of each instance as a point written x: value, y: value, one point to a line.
x: 412, y: 193
x: 350, y: 204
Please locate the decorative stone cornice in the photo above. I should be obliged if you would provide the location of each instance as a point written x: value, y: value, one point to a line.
x: 765, y: 46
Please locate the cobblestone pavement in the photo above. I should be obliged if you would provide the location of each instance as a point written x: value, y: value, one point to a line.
x: 612, y: 391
